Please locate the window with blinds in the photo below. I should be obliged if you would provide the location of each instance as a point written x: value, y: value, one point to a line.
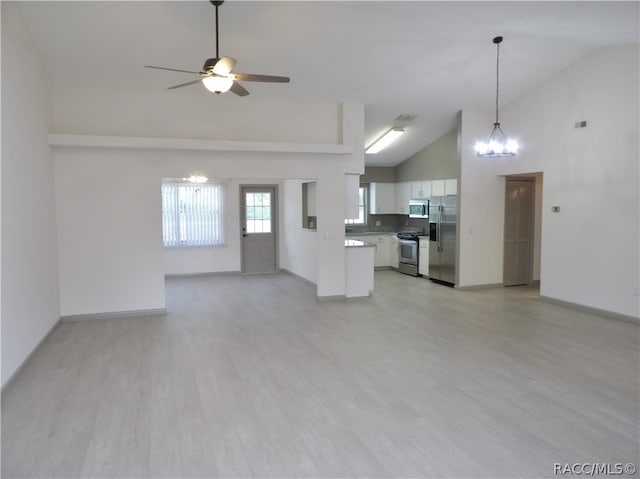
x: 192, y: 214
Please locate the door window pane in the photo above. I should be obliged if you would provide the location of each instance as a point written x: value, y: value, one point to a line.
x: 258, y: 212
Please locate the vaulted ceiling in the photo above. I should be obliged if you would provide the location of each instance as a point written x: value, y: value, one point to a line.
x: 425, y: 58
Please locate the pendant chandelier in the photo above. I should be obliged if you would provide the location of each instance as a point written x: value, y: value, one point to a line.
x: 497, y: 145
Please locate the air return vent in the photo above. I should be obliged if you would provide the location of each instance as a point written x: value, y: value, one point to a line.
x: 406, y: 117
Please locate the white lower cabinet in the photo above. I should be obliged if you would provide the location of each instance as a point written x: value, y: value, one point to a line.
x: 386, y: 252
x: 393, y: 251
x: 423, y: 255
x: 381, y: 257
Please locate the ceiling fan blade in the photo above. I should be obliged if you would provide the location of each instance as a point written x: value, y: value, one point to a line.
x: 262, y: 78
x: 224, y: 66
x: 172, y: 69
x: 239, y: 89
x: 184, y: 84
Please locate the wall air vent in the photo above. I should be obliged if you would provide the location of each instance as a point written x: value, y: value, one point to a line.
x: 406, y: 117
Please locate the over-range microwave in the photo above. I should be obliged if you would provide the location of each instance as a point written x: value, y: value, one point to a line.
x: 418, y: 208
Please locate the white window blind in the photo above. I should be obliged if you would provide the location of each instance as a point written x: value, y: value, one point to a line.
x: 192, y: 214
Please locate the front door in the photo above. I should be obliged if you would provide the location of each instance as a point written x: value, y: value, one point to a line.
x: 259, y: 239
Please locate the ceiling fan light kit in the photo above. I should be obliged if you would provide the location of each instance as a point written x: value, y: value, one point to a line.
x: 385, y: 140
x: 216, y: 74
x: 217, y: 84
x: 497, y: 145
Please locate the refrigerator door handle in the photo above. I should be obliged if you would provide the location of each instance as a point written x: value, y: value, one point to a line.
x: 440, y: 212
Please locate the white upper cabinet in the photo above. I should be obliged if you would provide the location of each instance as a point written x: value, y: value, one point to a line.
x: 382, y: 199
x: 403, y: 195
x: 437, y: 187
x: 451, y: 186
x: 421, y: 189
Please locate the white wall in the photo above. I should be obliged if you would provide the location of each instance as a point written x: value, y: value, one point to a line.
x: 29, y: 258
x: 109, y: 233
x: 191, y: 113
x: 591, y: 173
x: 111, y: 255
x: 298, y: 245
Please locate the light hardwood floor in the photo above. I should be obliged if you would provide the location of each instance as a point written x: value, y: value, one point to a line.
x: 252, y: 377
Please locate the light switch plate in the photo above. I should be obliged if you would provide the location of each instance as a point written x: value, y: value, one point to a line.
x: 555, y: 209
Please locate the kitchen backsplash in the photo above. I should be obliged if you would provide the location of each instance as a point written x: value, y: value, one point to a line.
x: 389, y: 223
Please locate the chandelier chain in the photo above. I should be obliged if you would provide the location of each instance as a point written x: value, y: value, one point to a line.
x: 497, y: 79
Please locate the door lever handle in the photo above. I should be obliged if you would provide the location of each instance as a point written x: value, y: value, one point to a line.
x: 245, y: 234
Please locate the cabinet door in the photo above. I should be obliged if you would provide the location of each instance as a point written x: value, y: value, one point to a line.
x: 421, y: 190
x: 437, y: 187
x: 382, y: 198
x: 403, y: 195
x: 394, y: 252
x: 451, y: 186
x: 423, y: 256
x: 381, y: 257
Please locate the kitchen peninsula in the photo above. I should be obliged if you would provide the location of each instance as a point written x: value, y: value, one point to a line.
x: 358, y: 268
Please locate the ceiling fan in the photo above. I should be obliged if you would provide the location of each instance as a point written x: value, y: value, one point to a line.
x: 217, y: 73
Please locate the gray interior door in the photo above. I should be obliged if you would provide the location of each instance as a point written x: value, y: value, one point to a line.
x: 259, y: 232
x: 518, y: 231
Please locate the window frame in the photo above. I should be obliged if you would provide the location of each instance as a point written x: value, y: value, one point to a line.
x: 209, y: 235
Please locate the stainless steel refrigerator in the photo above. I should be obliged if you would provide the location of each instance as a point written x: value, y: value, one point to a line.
x: 442, y: 239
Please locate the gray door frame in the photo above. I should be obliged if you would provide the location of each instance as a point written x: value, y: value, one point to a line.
x: 274, y: 223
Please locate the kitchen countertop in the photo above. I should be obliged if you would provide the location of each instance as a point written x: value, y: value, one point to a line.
x: 357, y: 244
x: 371, y: 233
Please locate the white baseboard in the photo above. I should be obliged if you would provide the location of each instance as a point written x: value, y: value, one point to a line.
x: 588, y: 309
x: 476, y: 287
x: 115, y: 314
x: 24, y: 363
x: 336, y: 297
x: 198, y: 275
x: 304, y: 280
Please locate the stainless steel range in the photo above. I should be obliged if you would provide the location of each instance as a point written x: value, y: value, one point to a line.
x: 408, y: 263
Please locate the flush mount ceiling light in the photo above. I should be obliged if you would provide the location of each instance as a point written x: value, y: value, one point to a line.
x: 384, y: 141
x: 196, y: 179
x: 497, y: 145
